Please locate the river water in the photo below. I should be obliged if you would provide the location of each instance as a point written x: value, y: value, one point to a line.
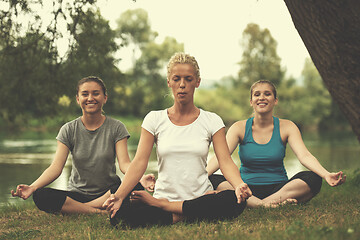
x: 22, y: 161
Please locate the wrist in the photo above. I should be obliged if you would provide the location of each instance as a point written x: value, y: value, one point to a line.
x: 324, y: 175
x: 117, y: 196
x: 240, y: 184
x: 33, y: 187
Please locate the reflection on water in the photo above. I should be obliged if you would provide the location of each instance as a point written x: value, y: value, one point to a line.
x: 23, y: 161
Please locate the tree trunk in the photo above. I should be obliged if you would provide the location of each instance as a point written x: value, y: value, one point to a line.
x: 330, y: 30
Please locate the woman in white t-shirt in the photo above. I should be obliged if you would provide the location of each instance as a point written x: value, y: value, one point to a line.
x: 182, y: 134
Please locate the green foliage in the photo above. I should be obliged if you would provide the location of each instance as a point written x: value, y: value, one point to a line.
x: 259, y: 58
x: 259, y: 61
x: 32, y: 76
x: 215, y: 100
x: 134, y: 27
x: 27, y: 70
x: 308, y: 104
x: 146, y: 87
x: 93, y: 54
x: 315, y: 95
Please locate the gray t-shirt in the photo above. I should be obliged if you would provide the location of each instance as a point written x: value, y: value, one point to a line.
x: 93, y: 154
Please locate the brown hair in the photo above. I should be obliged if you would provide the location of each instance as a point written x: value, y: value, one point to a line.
x: 91, y: 79
x: 273, y: 88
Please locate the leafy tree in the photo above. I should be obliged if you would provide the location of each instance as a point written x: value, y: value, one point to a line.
x: 309, y: 104
x: 306, y: 104
x: 316, y: 95
x: 259, y: 59
x: 149, y: 69
x: 146, y: 87
x: 134, y: 27
x: 217, y: 100
x: 30, y: 64
x: 28, y: 78
x: 93, y: 54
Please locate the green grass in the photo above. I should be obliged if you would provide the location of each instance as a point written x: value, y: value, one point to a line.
x: 333, y: 214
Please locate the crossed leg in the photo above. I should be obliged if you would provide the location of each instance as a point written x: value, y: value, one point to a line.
x: 174, y: 207
x: 295, y: 191
x: 73, y: 206
x: 211, y: 206
x: 54, y: 200
x: 94, y: 206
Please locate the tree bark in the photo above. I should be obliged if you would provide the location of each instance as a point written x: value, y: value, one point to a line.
x: 330, y: 30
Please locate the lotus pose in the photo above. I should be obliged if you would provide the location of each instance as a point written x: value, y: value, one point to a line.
x: 94, y: 141
x: 182, y: 134
x: 262, y: 141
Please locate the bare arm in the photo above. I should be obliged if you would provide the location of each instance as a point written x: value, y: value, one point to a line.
x: 122, y: 155
x: 306, y: 158
x: 233, y: 136
x: 134, y: 172
x: 48, y: 176
x: 148, y: 180
x: 228, y: 167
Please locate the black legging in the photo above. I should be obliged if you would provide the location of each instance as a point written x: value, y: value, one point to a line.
x: 212, y: 207
x: 207, y: 207
x: 52, y: 200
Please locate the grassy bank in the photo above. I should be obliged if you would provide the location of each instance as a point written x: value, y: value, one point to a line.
x: 333, y: 214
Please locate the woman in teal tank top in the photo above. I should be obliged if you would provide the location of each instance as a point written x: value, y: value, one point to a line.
x: 262, y: 142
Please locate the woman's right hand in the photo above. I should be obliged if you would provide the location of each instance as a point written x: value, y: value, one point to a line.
x: 112, y: 205
x: 23, y: 191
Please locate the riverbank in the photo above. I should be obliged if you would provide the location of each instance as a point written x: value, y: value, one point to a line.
x: 48, y: 129
x: 333, y: 214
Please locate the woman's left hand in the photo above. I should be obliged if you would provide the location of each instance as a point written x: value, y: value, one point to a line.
x: 148, y: 182
x: 335, y: 179
x: 242, y: 192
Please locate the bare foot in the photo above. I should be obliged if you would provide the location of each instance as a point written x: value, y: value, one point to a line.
x: 147, y: 198
x: 100, y: 211
x: 98, y: 202
x: 177, y: 218
x: 278, y: 204
x: 212, y: 192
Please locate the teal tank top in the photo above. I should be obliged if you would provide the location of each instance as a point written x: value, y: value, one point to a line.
x: 262, y: 164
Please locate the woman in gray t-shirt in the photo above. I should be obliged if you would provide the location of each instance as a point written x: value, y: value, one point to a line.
x: 94, y: 141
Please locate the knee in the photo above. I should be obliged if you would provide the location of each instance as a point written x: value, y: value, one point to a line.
x: 316, y: 183
x: 313, y: 181
x: 48, y: 200
x: 39, y: 197
x: 213, y: 206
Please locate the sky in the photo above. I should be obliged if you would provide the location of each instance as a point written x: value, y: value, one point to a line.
x: 211, y: 30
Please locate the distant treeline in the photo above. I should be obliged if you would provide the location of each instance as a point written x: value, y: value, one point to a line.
x: 37, y: 82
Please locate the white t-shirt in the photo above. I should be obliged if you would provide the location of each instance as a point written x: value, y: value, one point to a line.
x: 182, y: 154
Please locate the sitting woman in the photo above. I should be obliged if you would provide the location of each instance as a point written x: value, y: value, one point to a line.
x: 94, y: 141
x: 262, y: 141
x: 182, y: 134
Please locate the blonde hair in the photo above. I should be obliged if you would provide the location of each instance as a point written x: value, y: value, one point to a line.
x: 183, y: 58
